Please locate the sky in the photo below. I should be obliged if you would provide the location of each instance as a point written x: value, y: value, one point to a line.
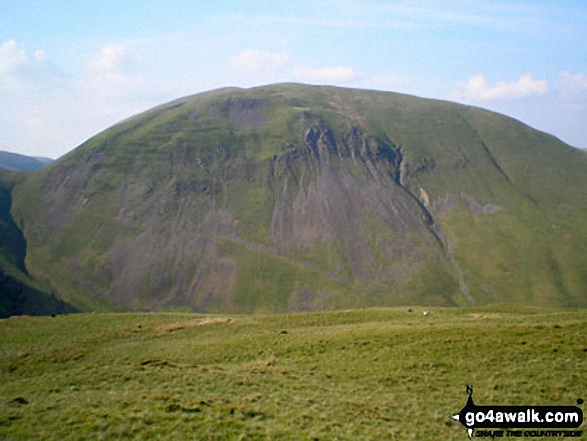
x: 70, y: 69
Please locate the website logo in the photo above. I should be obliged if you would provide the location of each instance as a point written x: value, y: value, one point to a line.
x: 509, y: 420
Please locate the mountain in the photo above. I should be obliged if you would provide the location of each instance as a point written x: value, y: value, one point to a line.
x: 293, y: 197
x: 17, y: 162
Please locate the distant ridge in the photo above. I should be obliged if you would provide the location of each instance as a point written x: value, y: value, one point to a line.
x: 18, y: 162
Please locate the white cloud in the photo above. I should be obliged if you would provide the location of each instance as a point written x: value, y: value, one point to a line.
x: 336, y: 74
x: 573, y: 83
x: 11, y: 56
x: 20, y: 72
x: 112, y: 84
x: 478, y: 89
x: 254, y: 59
x: 111, y: 74
x: 40, y: 56
x: 109, y: 58
x: 48, y: 111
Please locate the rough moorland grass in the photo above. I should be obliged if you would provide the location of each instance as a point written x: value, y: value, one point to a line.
x: 363, y: 374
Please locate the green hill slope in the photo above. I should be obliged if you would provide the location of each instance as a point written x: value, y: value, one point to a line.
x: 292, y: 197
x: 19, y: 294
x: 373, y: 374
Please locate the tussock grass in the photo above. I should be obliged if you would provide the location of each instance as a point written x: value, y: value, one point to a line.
x: 385, y: 373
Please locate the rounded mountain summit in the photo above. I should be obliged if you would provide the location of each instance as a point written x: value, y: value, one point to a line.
x: 292, y: 197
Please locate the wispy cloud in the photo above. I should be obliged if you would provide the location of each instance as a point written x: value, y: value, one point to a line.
x: 509, y: 16
x: 11, y: 56
x: 55, y: 110
x: 110, y: 73
x: 320, y: 22
x: 387, y: 81
x: 22, y: 72
x: 255, y: 60
x: 109, y: 58
x: 334, y: 75
x: 573, y: 82
x: 479, y: 89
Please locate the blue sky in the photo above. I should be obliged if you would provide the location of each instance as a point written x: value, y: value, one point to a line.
x: 70, y: 69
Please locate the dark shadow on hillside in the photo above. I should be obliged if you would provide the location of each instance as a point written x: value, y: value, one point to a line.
x: 16, y: 298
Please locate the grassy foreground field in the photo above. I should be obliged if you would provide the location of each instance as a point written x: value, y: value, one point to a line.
x: 359, y: 375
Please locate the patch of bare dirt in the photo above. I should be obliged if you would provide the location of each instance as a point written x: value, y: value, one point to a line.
x: 249, y: 113
x: 162, y: 329
x: 478, y: 315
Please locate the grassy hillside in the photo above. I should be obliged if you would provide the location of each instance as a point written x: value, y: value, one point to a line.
x: 290, y: 197
x: 19, y: 293
x: 365, y: 374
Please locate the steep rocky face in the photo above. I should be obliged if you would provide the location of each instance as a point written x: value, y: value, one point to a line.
x: 354, y: 185
x: 343, y: 198
x: 291, y: 198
